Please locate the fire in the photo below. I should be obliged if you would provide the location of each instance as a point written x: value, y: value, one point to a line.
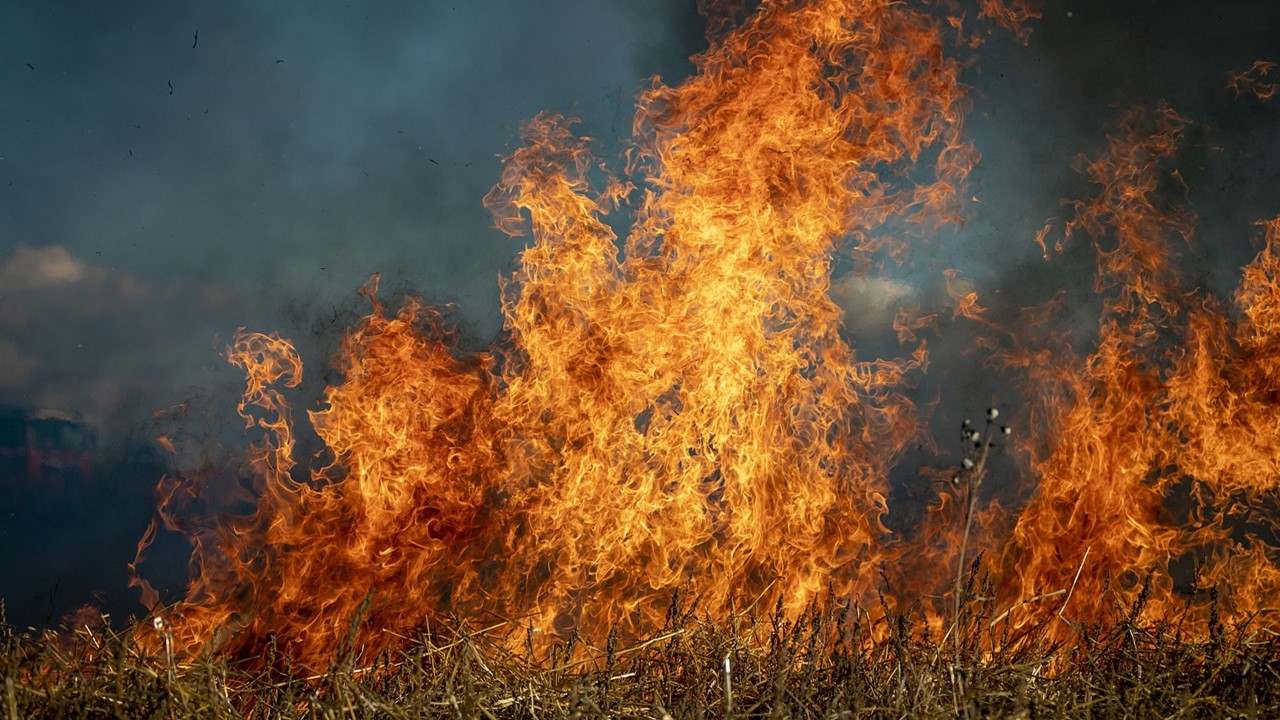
x: 1159, y: 445
x: 1255, y: 81
x: 678, y: 410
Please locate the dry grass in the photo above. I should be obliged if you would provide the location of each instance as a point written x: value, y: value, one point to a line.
x: 823, y: 666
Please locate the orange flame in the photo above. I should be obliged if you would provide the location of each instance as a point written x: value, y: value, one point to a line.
x: 680, y: 412
x: 1159, y: 446
x: 965, y: 299
x: 1254, y: 81
x: 1012, y: 15
x: 679, y: 409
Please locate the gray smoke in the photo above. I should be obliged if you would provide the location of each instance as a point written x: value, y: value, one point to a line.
x: 170, y: 172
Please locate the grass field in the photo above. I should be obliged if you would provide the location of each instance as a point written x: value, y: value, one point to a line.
x: 824, y: 665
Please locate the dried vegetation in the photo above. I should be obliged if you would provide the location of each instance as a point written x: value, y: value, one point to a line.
x: 840, y: 664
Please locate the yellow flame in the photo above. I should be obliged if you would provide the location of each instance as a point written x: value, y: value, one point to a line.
x: 678, y: 409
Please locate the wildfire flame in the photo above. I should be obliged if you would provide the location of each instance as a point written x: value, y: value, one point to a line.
x: 1255, y: 81
x: 1164, y: 435
x: 678, y: 409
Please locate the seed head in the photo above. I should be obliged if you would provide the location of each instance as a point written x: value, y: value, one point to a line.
x: 967, y: 463
x: 992, y: 413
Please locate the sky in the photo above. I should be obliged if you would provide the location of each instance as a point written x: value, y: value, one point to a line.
x: 172, y: 171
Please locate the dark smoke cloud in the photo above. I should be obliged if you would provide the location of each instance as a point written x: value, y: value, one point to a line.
x: 253, y: 163
x: 170, y: 172
x: 1038, y: 107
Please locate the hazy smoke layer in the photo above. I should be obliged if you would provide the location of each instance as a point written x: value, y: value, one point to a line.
x: 169, y: 174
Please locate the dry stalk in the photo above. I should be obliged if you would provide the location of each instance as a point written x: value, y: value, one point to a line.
x: 976, y: 472
x: 728, y: 687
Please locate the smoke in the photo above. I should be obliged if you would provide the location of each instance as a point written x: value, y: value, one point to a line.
x: 171, y: 173
x: 271, y: 158
x: 1036, y: 109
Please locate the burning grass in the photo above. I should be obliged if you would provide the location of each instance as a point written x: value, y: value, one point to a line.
x: 825, y: 664
x: 681, y: 408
